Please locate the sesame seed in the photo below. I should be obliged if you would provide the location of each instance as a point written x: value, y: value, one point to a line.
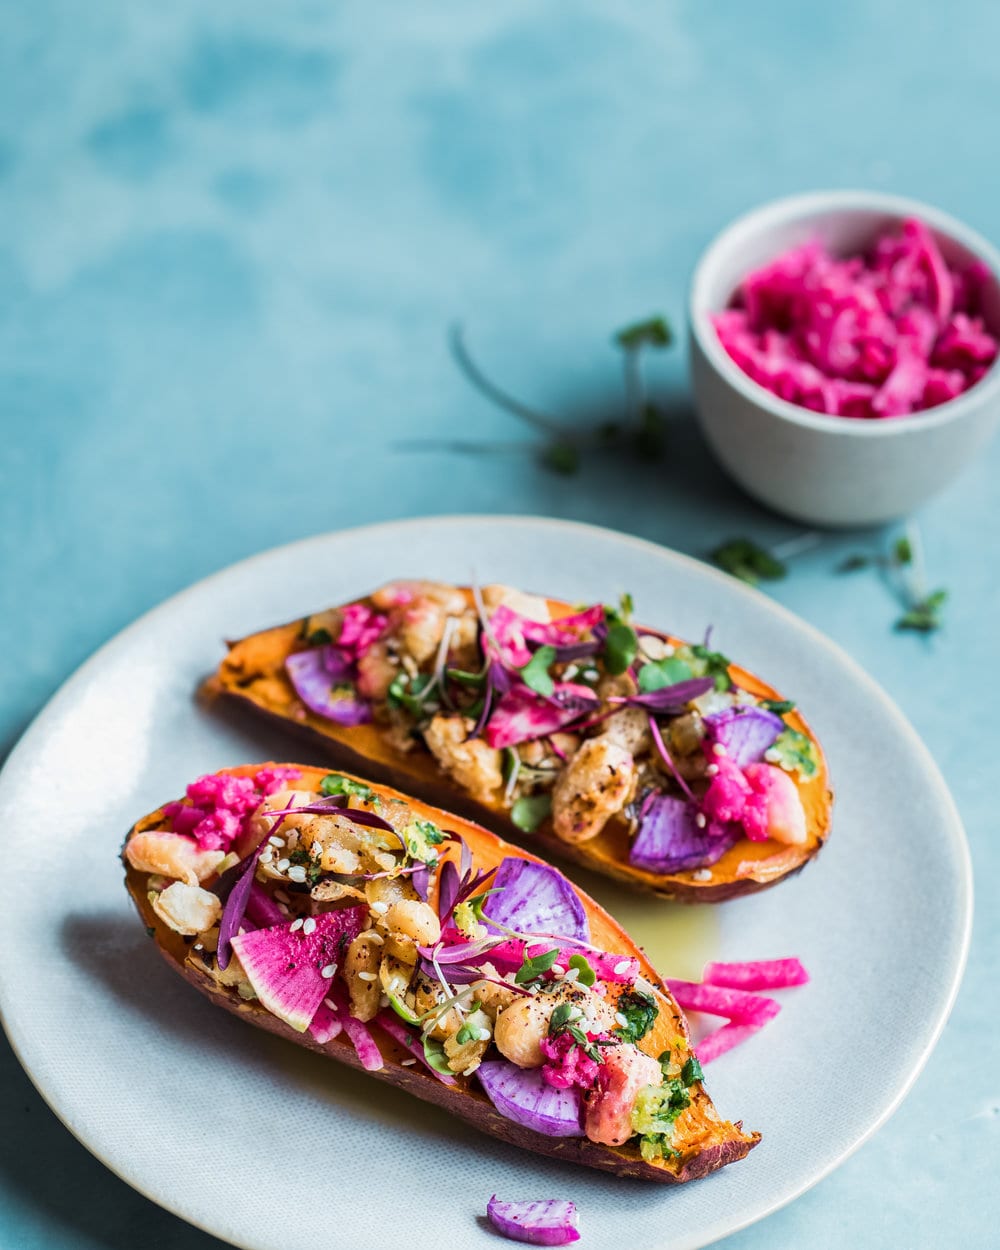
x: 559, y: 970
x: 296, y: 873
x: 284, y: 865
x: 621, y: 968
x: 308, y: 925
x: 471, y: 1068
x: 620, y: 1019
x: 379, y: 908
x: 701, y: 820
x: 572, y: 974
x: 328, y: 971
x: 274, y: 840
x: 267, y: 857
x: 367, y: 976
x: 712, y: 769
x: 198, y: 946
x: 297, y: 924
x: 718, y: 749
x: 703, y: 874
x: 407, y: 1063
x: 328, y: 1002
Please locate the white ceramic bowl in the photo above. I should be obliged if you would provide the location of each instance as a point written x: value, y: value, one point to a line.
x: 827, y: 470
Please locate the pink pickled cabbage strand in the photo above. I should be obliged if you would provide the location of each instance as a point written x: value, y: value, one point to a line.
x: 882, y: 335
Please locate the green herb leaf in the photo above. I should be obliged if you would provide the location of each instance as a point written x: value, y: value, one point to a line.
x: 747, y: 560
x: 925, y: 616
x: 587, y: 974
x: 562, y: 1014
x: 902, y: 552
x: 320, y: 638
x: 530, y: 810
x: 795, y: 753
x: 640, y: 1012
x: 620, y: 647
x: 410, y: 694
x: 465, y: 679
x: 534, y: 967
x: 420, y: 836
x: 535, y: 674
x: 653, y: 332
x: 778, y: 706
x: 855, y: 562
x: 655, y: 674
x: 435, y: 1056
x: 707, y: 663
x: 337, y: 783
x: 653, y: 1146
x: 691, y: 1071
x: 561, y: 457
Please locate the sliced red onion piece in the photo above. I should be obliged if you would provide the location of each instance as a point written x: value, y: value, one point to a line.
x: 521, y: 1095
x: 745, y: 732
x: 670, y: 699
x: 262, y: 909
x: 547, y: 1222
x: 536, y: 898
x: 671, y: 840
x: 322, y: 680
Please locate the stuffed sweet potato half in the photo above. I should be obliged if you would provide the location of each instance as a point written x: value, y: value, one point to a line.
x: 398, y: 939
x: 625, y: 749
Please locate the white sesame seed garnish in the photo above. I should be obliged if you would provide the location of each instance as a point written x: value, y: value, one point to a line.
x: 367, y: 976
x: 267, y: 857
x: 281, y: 896
x: 328, y: 1002
x: 328, y: 971
x: 559, y: 970
x: 297, y: 924
x: 297, y: 873
x: 274, y: 840
x: 572, y: 974
x: 198, y: 946
x: 621, y: 968
x: 471, y: 1068
x: 407, y: 1063
x: 620, y: 1019
x: 284, y: 865
x: 308, y: 926
x: 379, y: 908
x: 703, y: 874
x: 701, y: 820
x: 712, y: 769
x: 718, y: 749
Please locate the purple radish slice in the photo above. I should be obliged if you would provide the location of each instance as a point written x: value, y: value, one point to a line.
x: 521, y: 1095
x: 670, y: 839
x: 536, y: 898
x: 322, y: 680
x: 285, y: 966
x: 547, y: 1222
x: 745, y: 732
x: 522, y: 715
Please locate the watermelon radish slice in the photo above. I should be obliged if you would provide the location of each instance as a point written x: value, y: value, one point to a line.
x: 285, y: 965
x: 535, y: 898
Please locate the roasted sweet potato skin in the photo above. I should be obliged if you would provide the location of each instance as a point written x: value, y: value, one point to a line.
x: 712, y: 1145
x: 253, y: 674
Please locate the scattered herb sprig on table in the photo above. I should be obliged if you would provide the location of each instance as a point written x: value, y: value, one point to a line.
x: 642, y: 424
x: 904, y: 569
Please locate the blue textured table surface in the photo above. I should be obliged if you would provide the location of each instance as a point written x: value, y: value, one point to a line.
x: 232, y: 238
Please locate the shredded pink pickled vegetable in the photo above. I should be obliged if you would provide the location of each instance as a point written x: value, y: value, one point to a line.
x: 756, y: 974
x: 716, y: 1043
x: 733, y: 1004
x: 893, y: 332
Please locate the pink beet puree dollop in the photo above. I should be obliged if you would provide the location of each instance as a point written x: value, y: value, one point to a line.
x: 881, y: 335
x: 220, y: 805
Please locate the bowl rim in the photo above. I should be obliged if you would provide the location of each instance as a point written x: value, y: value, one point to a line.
x: 789, y: 209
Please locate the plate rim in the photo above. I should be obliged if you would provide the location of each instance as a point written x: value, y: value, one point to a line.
x: 956, y: 833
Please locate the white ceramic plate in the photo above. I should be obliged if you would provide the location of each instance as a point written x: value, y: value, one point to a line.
x: 273, y: 1149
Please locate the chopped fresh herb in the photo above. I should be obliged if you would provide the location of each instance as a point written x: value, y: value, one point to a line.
x: 562, y: 1014
x: 565, y: 1018
x: 620, y: 647
x: 711, y: 664
x: 435, y: 1056
x: 658, y: 1106
x: 475, y: 1028
x: 337, y: 783
x: 530, y: 810
x: 626, y: 606
x: 925, y: 615
x: 320, y: 638
x: 587, y: 974
x: 534, y: 966
x: 778, y: 706
x: 640, y: 1012
x: 691, y: 1071
x: 902, y: 551
x: 653, y: 1146
x: 854, y: 563
x: 655, y: 674
x: 561, y: 457
x: 410, y: 693
x: 465, y: 679
x: 795, y: 753
x: 535, y: 674
x: 747, y: 560
x: 420, y: 836
x: 467, y: 923
x: 653, y: 332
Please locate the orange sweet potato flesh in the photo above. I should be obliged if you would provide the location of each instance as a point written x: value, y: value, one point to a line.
x: 254, y: 673
x: 705, y: 1141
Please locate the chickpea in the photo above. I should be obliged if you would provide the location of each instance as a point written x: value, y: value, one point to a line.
x: 361, y: 968
x: 414, y: 919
